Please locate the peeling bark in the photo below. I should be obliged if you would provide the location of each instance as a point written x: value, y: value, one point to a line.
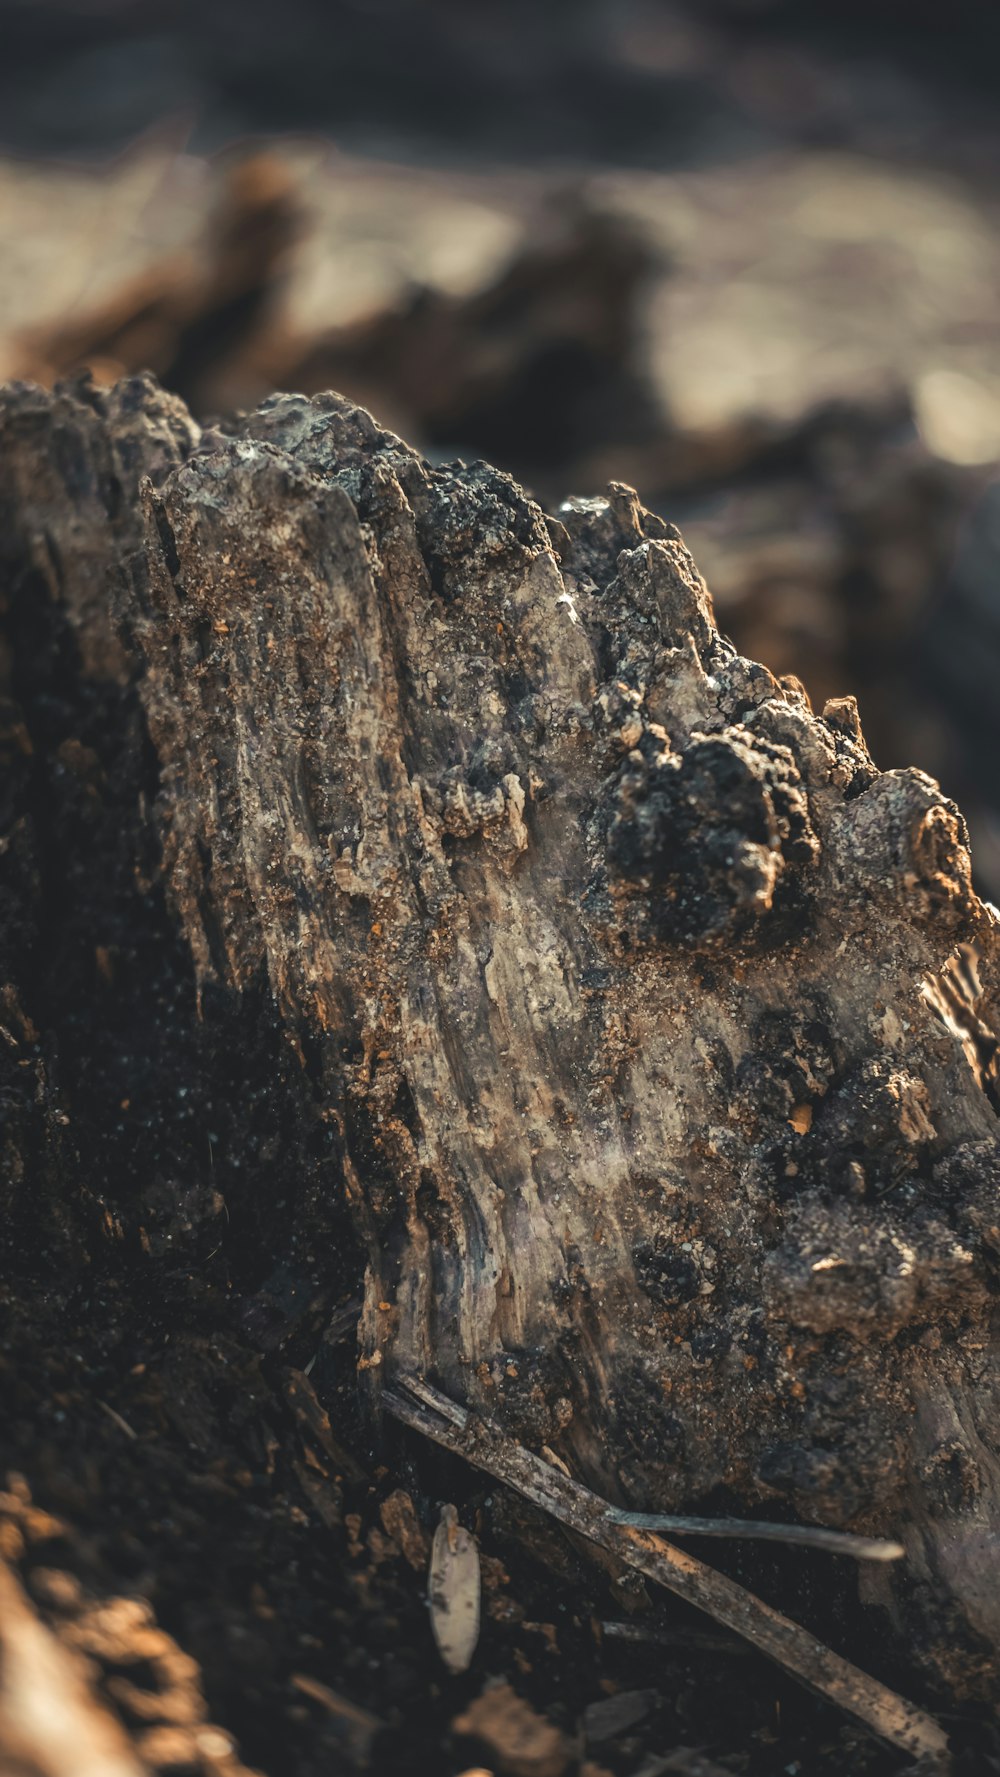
x: 654, y: 1025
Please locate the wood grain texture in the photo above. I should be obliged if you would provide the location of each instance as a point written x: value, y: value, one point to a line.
x: 605, y: 960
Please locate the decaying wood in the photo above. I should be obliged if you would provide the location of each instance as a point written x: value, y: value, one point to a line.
x: 910, y: 1730
x: 607, y: 965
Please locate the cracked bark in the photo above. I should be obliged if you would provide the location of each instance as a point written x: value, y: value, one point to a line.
x: 651, y: 1024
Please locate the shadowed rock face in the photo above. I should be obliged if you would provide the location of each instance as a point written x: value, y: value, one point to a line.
x: 624, y: 982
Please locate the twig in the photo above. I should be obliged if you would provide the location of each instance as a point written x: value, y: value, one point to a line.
x: 122, y: 1424
x: 417, y: 1404
x: 807, y: 1536
x: 685, y: 1638
x: 357, y: 1728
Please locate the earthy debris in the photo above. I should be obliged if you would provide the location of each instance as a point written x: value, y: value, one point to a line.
x: 355, y: 1728
x: 611, y: 1716
x: 400, y: 1521
x: 521, y: 1741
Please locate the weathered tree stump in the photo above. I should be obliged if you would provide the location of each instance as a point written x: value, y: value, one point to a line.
x: 626, y: 988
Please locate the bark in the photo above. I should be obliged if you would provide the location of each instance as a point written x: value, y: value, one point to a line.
x: 650, y: 1026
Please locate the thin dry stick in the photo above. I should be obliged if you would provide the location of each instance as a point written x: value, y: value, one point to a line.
x: 416, y: 1404
x: 804, y: 1536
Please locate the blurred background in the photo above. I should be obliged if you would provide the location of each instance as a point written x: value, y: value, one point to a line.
x: 743, y: 254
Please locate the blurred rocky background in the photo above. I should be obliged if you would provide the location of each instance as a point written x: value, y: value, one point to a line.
x: 745, y: 256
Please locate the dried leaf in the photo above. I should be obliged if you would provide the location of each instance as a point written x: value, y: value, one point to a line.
x: 454, y: 1591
